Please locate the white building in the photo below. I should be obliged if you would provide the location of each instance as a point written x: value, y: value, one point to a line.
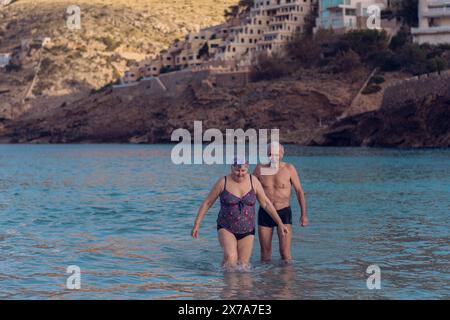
x: 4, y: 59
x: 344, y: 15
x: 271, y: 24
x: 434, y: 22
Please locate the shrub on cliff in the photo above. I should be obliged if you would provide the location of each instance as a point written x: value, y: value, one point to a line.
x: 377, y: 79
x: 437, y: 64
x: 413, y: 58
x: 400, y: 39
x: 346, y: 61
x: 110, y: 43
x: 366, y: 42
x: 304, y: 50
x: 371, y: 89
x: 387, y: 60
x: 269, y: 68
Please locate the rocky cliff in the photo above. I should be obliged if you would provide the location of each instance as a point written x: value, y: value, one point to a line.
x: 307, y: 111
x: 410, y: 124
x: 299, y: 109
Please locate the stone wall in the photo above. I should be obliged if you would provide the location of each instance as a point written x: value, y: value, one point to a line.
x: 416, y: 88
x: 174, y: 83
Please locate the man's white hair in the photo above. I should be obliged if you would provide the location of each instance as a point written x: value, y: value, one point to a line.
x: 274, y: 145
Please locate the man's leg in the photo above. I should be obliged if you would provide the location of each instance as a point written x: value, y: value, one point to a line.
x: 265, y: 241
x: 285, y: 245
x: 229, y: 245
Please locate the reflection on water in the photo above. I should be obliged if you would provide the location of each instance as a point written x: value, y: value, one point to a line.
x: 123, y: 214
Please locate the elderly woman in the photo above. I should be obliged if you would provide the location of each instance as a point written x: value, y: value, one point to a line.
x: 238, y: 193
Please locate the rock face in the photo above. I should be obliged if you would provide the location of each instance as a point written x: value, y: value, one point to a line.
x: 411, y: 124
x: 134, y: 115
x: 5, y: 2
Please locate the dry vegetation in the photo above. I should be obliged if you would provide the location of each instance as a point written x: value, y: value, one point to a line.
x: 114, y: 34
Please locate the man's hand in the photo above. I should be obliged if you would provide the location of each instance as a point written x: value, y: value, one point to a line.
x: 304, y: 220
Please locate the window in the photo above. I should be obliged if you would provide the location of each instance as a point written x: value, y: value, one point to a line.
x: 350, y: 12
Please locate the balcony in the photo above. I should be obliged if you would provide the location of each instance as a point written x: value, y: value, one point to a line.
x: 437, y: 12
x: 438, y: 3
x: 430, y: 30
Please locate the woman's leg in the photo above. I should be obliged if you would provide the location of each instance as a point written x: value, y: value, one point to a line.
x: 265, y: 241
x: 229, y: 245
x: 245, y: 249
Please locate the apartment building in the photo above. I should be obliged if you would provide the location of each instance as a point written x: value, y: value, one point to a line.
x: 344, y: 15
x: 271, y: 24
x: 434, y: 22
x: 268, y: 27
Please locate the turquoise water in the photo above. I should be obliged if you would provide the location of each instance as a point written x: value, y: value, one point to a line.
x: 123, y: 214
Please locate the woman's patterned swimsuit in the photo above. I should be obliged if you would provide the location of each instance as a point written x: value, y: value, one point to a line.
x: 237, y: 215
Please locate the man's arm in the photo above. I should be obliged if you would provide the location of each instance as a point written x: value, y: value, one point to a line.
x: 257, y: 171
x: 295, y: 179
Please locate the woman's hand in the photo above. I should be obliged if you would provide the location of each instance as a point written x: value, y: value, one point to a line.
x: 194, y: 232
x: 283, y: 229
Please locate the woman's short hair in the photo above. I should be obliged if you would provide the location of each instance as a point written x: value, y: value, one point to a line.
x: 239, y: 162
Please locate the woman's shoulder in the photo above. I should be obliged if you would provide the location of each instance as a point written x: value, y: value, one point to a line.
x: 255, y: 179
x: 221, y: 181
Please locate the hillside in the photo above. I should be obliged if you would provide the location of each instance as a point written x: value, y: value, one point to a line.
x: 318, y: 93
x: 115, y: 34
x: 300, y: 109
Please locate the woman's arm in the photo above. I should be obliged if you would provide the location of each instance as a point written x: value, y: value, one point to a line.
x: 207, y: 203
x: 267, y: 205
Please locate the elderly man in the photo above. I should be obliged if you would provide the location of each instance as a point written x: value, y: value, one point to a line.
x: 277, y: 187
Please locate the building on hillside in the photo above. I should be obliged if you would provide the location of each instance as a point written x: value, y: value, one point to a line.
x: 344, y: 15
x: 271, y: 24
x: 4, y: 59
x: 130, y: 76
x: 434, y: 22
